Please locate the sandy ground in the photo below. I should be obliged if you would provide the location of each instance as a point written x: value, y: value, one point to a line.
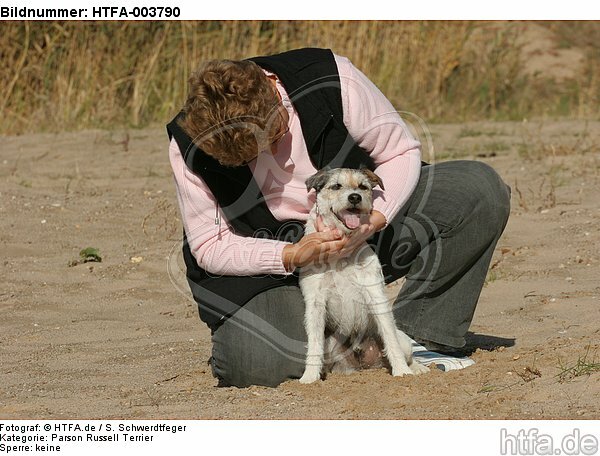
x: 121, y: 339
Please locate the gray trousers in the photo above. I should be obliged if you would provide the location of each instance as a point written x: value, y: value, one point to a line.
x: 442, y: 241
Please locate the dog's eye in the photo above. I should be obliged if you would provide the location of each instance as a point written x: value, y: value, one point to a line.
x: 363, y: 187
x: 335, y: 187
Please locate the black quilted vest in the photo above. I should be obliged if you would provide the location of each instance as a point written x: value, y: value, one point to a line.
x: 312, y: 82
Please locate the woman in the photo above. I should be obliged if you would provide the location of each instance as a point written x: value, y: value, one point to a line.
x: 249, y: 135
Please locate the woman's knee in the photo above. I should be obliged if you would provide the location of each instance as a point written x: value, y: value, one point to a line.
x: 491, y: 193
x: 241, y: 375
x: 255, y: 368
x: 264, y: 343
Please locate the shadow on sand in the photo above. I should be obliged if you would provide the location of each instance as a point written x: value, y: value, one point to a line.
x: 485, y: 342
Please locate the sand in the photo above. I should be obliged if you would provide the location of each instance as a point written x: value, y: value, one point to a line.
x: 121, y: 338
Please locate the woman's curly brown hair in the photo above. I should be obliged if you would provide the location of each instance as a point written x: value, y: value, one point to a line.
x: 231, y: 110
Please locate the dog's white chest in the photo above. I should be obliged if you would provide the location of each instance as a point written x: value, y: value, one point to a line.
x: 343, y: 287
x: 346, y: 308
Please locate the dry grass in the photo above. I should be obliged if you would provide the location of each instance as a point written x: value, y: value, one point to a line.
x: 542, y: 196
x: 537, y: 146
x: 72, y: 75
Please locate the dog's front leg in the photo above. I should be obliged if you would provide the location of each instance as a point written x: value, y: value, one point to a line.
x: 314, y: 322
x: 398, y: 356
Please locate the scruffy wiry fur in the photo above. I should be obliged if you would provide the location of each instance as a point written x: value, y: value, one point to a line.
x: 346, y: 297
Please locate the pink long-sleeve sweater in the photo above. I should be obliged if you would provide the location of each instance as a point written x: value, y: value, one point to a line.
x: 373, y: 123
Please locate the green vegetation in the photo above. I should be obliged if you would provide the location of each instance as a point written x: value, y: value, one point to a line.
x: 585, y: 365
x: 90, y: 254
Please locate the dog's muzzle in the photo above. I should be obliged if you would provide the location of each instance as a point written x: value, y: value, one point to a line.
x: 350, y: 217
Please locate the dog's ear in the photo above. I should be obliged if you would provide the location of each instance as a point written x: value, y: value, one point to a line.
x: 373, y: 178
x: 318, y: 181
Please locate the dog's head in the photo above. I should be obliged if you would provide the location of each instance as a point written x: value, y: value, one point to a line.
x: 344, y: 196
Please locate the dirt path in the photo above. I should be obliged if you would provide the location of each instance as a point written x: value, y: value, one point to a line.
x: 117, y: 339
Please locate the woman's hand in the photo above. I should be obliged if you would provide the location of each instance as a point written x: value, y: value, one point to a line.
x: 327, y: 242
x: 313, y: 247
x: 377, y: 221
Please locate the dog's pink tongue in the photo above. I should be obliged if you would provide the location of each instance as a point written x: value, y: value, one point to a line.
x: 351, y: 220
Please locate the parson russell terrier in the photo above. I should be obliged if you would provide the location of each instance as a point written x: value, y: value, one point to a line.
x: 347, y: 311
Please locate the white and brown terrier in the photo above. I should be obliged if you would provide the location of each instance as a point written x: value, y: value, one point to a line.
x: 345, y: 297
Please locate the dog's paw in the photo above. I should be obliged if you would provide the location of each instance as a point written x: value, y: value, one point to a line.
x: 418, y: 368
x: 402, y: 371
x: 310, y: 376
